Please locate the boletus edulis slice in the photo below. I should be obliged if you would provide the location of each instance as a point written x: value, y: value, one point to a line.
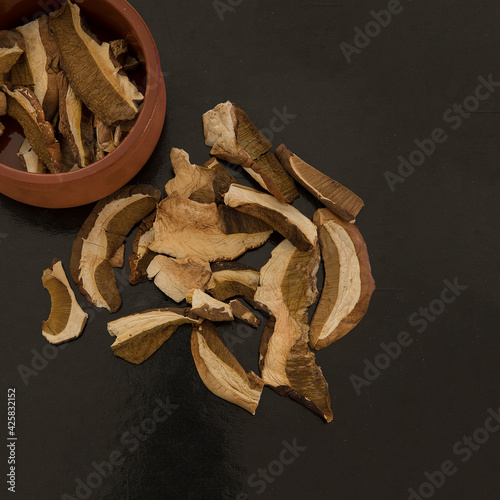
x: 287, y: 288
x: 208, y: 307
x: 12, y: 46
x: 67, y: 319
x: 29, y: 159
x: 140, y: 335
x: 221, y: 372
x: 242, y: 312
x: 101, y: 235
x: 348, y: 284
x: 141, y: 255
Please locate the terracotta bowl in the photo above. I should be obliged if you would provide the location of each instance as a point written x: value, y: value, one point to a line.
x: 96, y: 181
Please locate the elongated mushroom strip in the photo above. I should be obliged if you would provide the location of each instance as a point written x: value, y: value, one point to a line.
x: 287, y: 288
x: 3, y: 104
x: 282, y: 217
x: 76, y: 123
x: 67, y: 319
x: 23, y: 106
x: 233, y: 279
x: 332, y: 194
x: 207, y: 307
x: 348, y: 283
x: 176, y: 277
x: 101, y: 235
x: 12, y: 47
x: 141, y: 255
x: 29, y: 159
x: 110, y: 95
x: 241, y: 312
x: 233, y: 137
x: 140, y: 335
x: 220, y: 370
x: 2, y: 129
x: 184, y: 227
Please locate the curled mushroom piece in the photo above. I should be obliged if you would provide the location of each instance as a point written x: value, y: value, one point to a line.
x: 282, y: 217
x: 348, y: 283
x: 209, y: 308
x: 141, y: 255
x: 67, y: 319
x: 287, y: 288
x: 102, y: 234
x: 220, y: 370
x: 332, y: 194
x: 108, y: 93
x: 140, y: 335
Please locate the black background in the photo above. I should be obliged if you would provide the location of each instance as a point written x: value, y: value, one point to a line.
x: 352, y: 121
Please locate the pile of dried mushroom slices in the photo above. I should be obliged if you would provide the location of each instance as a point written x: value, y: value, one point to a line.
x: 187, y: 244
x: 70, y: 93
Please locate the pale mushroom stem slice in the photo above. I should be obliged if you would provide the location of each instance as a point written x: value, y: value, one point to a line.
x: 102, y: 234
x: 220, y: 371
x: 283, y: 218
x: 108, y: 93
x: 348, y: 283
x: 287, y: 288
x: 67, y: 319
x: 29, y: 159
x: 141, y: 255
x: 332, y: 194
x: 140, y: 335
x: 207, y: 307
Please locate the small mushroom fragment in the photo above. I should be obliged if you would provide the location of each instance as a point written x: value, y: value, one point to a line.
x: 23, y: 106
x: 332, y: 194
x: 282, y: 217
x: 233, y: 137
x: 176, y: 277
x: 29, y: 159
x: 3, y: 104
x: 207, y: 307
x: 241, y: 312
x: 118, y: 259
x: 287, y: 288
x: 141, y: 255
x: 101, y: 236
x: 2, y: 129
x: 140, y: 335
x: 348, y: 283
x: 220, y: 371
x: 184, y: 227
x: 120, y: 51
x: 67, y: 319
x: 12, y: 47
x: 105, y: 138
x: 121, y: 131
x: 108, y: 93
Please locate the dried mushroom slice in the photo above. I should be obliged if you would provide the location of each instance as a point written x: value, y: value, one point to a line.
x: 108, y: 93
x: 105, y: 138
x: 2, y: 129
x: 119, y: 49
x: 220, y: 371
x: 209, y: 308
x: 282, y: 217
x: 141, y: 255
x: 241, y: 312
x: 140, y: 335
x: 233, y: 279
x: 122, y: 130
x: 176, y: 277
x: 332, y: 194
x: 184, y: 227
x: 67, y: 319
x: 348, y: 283
x: 118, y: 259
x: 23, y: 106
x: 287, y: 288
x: 12, y: 47
x: 3, y: 104
x: 282, y: 185
x: 101, y: 235
x: 29, y: 159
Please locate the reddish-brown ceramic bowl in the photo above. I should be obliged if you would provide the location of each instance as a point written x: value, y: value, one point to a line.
x: 96, y: 181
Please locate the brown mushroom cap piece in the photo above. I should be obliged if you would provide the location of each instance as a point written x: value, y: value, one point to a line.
x: 332, y: 194
x: 348, y: 283
x: 176, y: 277
x: 242, y: 312
x: 184, y: 227
x: 287, y: 288
x: 140, y: 335
x: 282, y: 217
x: 101, y: 235
x: 108, y: 93
x: 141, y: 255
x: 12, y: 47
x: 207, y: 307
x: 67, y: 319
x: 220, y: 371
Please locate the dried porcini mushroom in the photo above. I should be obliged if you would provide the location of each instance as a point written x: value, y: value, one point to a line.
x: 23, y: 106
x: 348, y: 283
x: 2, y: 129
x: 234, y: 138
x: 332, y: 194
x: 3, y: 104
x: 119, y: 49
x: 282, y: 217
x: 176, y: 277
x: 242, y: 312
x: 141, y: 255
x: 209, y: 308
x: 67, y: 319
x: 12, y: 47
x: 220, y: 371
x: 287, y: 288
x: 108, y: 93
x: 118, y: 259
x: 105, y: 137
x: 101, y: 235
x: 122, y: 130
x: 29, y: 159
x: 184, y: 227
x: 140, y: 335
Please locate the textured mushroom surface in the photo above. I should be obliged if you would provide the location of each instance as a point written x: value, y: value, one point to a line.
x: 105, y: 138
x: 29, y: 159
x: 141, y: 255
x: 287, y: 288
x: 12, y: 46
x: 348, y: 283
x: 242, y: 312
x: 67, y: 319
x: 3, y: 104
x: 208, y: 307
x: 2, y: 129
x: 140, y: 335
x: 221, y: 372
x: 102, y: 234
